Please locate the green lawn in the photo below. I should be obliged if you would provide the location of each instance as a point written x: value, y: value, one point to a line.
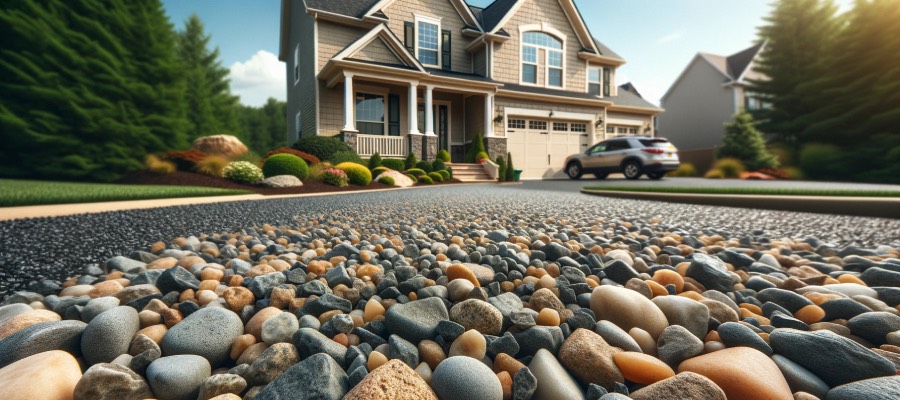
x: 751, y: 191
x: 27, y: 193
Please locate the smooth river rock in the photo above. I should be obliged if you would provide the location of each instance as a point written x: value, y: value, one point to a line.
x: 553, y: 381
x: 178, y: 377
x: 46, y: 336
x: 111, y: 382
x: 835, y: 359
x: 686, y: 385
x: 50, y: 375
x: 587, y: 356
x: 465, y: 378
x: 627, y: 309
x: 208, y: 332
x: 109, y: 334
x: 416, y: 321
x: 316, y: 378
x: 392, y: 381
x: 742, y: 373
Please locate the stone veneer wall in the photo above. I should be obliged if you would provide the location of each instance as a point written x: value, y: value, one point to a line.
x: 496, y: 146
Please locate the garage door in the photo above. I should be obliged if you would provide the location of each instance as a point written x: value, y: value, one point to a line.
x: 539, y: 147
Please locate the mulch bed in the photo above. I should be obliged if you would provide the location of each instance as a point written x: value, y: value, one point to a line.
x: 181, y: 178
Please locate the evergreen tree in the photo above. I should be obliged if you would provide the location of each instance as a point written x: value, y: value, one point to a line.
x: 743, y: 141
x: 263, y: 128
x: 88, y: 87
x: 798, y: 36
x: 211, y: 109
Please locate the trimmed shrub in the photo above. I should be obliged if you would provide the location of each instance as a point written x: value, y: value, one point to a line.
x: 438, y: 165
x: 744, y: 142
x: 481, y: 157
x: 159, y: 166
x: 436, y: 176
x: 243, y: 172
x: 424, y: 166
x: 212, y: 165
x: 335, y: 177
x: 416, y: 172
x: 358, y: 174
x: 685, y: 170
x: 411, y: 177
x: 476, y: 147
x: 502, y: 163
x: 394, y: 164
x: 322, y: 147
x: 444, y: 156
x: 450, y: 171
x: 387, y: 181
x: 411, y: 161
x: 510, y: 171
x: 794, y: 173
x: 730, y: 167
x: 374, y: 161
x: 317, y: 171
x: 444, y: 174
x: 285, y: 164
x: 821, y: 161
x: 714, y: 174
x: 379, y: 170
x: 185, y: 160
x: 309, y: 158
x: 426, y: 180
x: 346, y: 156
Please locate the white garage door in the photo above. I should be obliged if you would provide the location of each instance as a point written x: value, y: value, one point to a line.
x: 539, y: 147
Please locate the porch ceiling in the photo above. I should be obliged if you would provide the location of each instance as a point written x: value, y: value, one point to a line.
x: 333, y: 73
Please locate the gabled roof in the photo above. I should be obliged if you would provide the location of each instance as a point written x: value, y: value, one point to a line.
x: 354, y: 8
x: 627, y: 98
x: 389, y: 39
x: 494, y: 13
x: 739, y: 62
x: 606, y: 51
x: 631, y: 88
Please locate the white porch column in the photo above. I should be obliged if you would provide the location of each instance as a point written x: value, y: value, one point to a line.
x: 489, y: 115
x: 414, y: 108
x: 429, y: 114
x: 349, y: 117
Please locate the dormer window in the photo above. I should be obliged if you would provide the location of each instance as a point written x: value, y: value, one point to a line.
x: 537, y: 47
x: 428, y: 43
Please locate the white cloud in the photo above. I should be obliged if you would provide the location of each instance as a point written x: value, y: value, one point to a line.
x: 672, y: 37
x: 260, y: 77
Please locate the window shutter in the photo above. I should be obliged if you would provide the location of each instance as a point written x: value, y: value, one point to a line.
x: 446, y: 48
x: 409, y: 37
x: 394, y: 115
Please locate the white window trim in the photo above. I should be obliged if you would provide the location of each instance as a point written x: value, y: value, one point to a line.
x: 434, y: 21
x: 297, y: 65
x: 372, y: 90
x: 543, y: 27
x: 599, y: 81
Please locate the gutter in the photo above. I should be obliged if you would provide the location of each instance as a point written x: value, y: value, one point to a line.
x: 878, y: 207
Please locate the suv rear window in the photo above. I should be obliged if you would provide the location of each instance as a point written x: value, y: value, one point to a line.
x: 618, y: 145
x: 659, y: 143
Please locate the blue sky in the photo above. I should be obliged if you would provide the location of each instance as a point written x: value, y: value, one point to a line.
x: 657, y: 37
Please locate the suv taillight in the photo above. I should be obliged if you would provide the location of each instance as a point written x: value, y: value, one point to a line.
x: 654, y: 151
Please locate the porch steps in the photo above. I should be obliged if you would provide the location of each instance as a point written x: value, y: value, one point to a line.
x: 470, y: 173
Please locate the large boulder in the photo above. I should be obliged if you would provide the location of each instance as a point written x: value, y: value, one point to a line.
x: 400, y: 179
x: 223, y: 145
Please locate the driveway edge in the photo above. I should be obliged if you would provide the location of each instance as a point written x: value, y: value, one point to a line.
x: 879, y: 207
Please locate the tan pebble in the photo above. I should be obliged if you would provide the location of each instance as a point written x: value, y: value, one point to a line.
x: 505, y: 362
x: 105, y: 288
x: 157, y: 306
x: 259, y: 270
x: 628, y: 309
x: 431, y: 353
x: 376, y: 359
x: 712, y: 346
x: 76, y: 291
x: 212, y: 274
x: 187, y: 262
x: 656, y: 289
x: 810, y: 314
x: 742, y: 373
x: 280, y: 265
x: 342, y: 339
x: 171, y: 317
x: 154, y: 332
x: 666, y: 277
x: 644, y: 340
x: 505, y: 383
x: 241, y: 344
x: 254, y: 325
x: 471, y: 343
x: 252, y: 353
x: 392, y: 380
x: 281, y: 297
x: 114, y: 275
x: 149, y: 318
x: 547, y: 317
x: 459, y: 271
x: 186, y: 295
x: 208, y: 285
x: 317, y: 267
x: 157, y: 247
x: 547, y: 281
x: 50, y: 375
x: 26, y: 319
x: 642, y: 368
x: 424, y: 371
x: 544, y: 298
x: 205, y: 297
x: 238, y: 297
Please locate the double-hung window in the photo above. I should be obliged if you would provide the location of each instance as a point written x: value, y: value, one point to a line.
x: 594, y: 81
x: 540, y: 42
x: 606, y: 81
x: 370, y: 113
x: 428, y: 44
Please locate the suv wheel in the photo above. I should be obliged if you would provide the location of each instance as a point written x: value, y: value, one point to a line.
x: 601, y: 175
x: 573, y: 170
x: 632, y: 170
x: 656, y: 175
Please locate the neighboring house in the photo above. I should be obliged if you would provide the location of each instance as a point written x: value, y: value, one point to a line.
x: 527, y: 74
x: 706, y: 96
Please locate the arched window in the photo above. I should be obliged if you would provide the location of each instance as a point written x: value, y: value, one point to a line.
x: 533, y: 43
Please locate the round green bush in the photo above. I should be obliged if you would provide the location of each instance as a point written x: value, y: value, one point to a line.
x: 411, y: 161
x: 387, y: 180
x: 424, y: 166
x: 285, y: 164
x: 438, y: 165
x: 444, y: 174
x: 358, y: 174
x: 346, y: 156
x: 444, y: 156
x: 482, y: 156
x: 714, y: 174
x: 411, y: 177
x: 685, y: 170
x: 394, y: 164
x: 435, y: 176
x: 243, y: 172
x: 426, y: 180
x: 416, y: 172
x: 379, y: 170
x: 375, y: 161
x: 821, y: 161
x: 323, y: 147
x: 730, y: 167
x: 334, y: 177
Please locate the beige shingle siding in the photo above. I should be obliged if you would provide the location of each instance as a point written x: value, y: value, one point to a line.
x: 331, y: 109
x: 480, y: 62
x: 333, y: 38
x: 404, y: 11
x: 377, y: 51
x: 474, y: 118
x: 697, y: 108
x: 507, y: 57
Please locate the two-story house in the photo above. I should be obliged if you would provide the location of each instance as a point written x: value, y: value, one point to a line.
x: 705, y: 97
x: 400, y: 76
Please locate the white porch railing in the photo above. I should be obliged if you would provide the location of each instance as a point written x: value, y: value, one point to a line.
x: 386, y: 146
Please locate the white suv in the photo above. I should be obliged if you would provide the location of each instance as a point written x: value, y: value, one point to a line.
x: 633, y: 156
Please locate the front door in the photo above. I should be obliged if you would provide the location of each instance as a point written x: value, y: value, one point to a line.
x: 441, y: 114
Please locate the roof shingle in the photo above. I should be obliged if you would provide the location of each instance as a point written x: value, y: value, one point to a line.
x: 355, y: 8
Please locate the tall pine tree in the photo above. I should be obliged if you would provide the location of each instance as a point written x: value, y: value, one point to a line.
x: 211, y: 107
x: 89, y: 87
x: 798, y: 35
